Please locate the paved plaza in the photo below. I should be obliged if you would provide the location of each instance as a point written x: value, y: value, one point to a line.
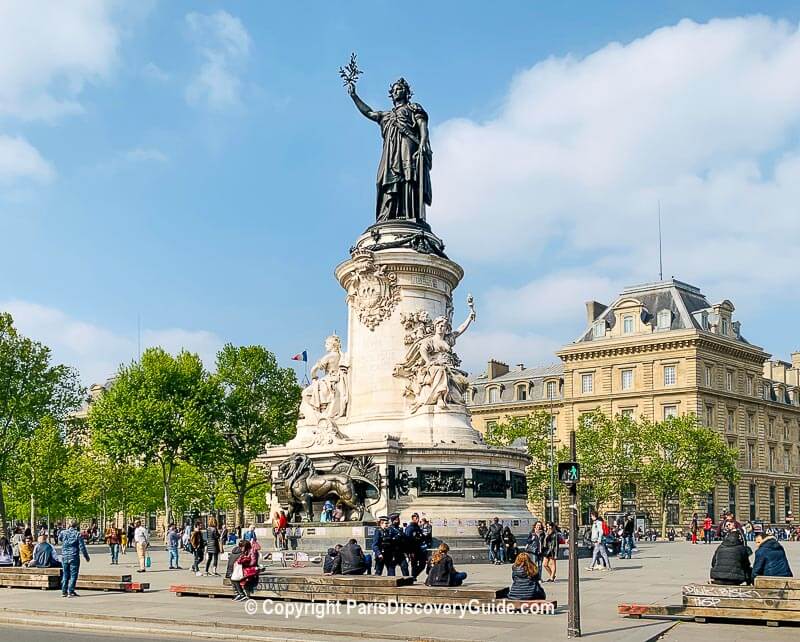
x: 655, y: 575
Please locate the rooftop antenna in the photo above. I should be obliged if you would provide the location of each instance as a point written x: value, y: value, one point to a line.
x: 660, y: 261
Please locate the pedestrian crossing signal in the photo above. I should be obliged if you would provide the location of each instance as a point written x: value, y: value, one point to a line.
x: 569, y: 472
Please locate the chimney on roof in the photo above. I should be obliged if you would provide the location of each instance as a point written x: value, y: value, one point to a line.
x: 796, y: 360
x: 593, y: 310
x: 520, y: 367
x: 496, y: 369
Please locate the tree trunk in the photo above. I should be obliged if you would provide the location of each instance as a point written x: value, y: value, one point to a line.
x: 240, y: 484
x: 3, y: 531
x: 166, y: 475
x: 664, y: 516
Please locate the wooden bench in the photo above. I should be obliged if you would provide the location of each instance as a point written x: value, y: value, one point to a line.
x: 771, y: 600
x: 365, y: 588
x: 50, y: 578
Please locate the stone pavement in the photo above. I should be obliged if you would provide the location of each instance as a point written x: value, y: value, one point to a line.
x: 655, y: 575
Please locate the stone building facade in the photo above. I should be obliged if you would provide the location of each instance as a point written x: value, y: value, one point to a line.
x: 662, y: 349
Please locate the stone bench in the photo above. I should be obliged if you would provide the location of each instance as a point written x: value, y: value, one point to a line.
x: 771, y: 600
x: 50, y: 578
x: 365, y: 588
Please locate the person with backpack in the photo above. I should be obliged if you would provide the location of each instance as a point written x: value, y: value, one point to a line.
x: 600, y: 531
x: 198, y: 545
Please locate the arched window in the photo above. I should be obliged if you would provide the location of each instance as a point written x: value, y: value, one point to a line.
x: 522, y: 392
x: 493, y: 395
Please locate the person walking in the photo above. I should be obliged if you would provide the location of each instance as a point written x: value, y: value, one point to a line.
x: 599, y: 553
x: 113, y: 537
x: 535, y: 547
x: 142, y: 540
x: 550, y: 551
x: 130, y: 533
x: 397, y: 535
x: 198, y: 545
x: 694, y: 526
x: 494, y: 538
x: 213, y: 545
x: 72, y: 548
x: 173, y: 545
x: 16, y: 539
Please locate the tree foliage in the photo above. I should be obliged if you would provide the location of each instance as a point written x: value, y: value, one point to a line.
x: 31, y: 390
x: 161, y: 409
x: 259, y: 408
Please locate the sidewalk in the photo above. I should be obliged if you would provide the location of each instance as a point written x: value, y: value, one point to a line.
x: 655, y: 575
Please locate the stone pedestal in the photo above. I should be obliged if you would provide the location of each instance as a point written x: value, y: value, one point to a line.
x: 429, y: 457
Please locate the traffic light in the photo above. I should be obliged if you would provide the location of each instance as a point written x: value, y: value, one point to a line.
x: 569, y: 472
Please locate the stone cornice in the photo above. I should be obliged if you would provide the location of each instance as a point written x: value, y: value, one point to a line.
x: 587, y: 350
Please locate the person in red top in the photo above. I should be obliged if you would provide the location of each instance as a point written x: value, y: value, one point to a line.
x: 248, y: 560
x: 283, y: 522
x: 708, y: 528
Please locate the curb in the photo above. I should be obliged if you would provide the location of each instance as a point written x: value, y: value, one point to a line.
x: 99, y: 622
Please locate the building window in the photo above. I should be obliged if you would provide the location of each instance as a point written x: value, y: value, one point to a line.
x: 731, y: 421
x: 750, y: 422
x: 752, y: 502
x: 587, y: 383
x: 599, y: 330
x: 627, y: 325
x: 664, y: 319
x: 725, y: 327
x: 710, y: 504
x: 785, y: 430
x: 493, y: 395
x: 627, y: 379
x: 750, y: 456
x: 551, y: 389
x: 710, y: 416
x: 771, y: 458
x: 709, y: 377
x: 787, y: 501
x: 787, y: 460
x: 628, y: 492
x: 673, y: 510
x: 772, y: 510
x: 750, y: 385
x: 491, y: 425
x: 627, y: 413
x: 729, y: 380
x: 771, y: 427
x: 669, y: 375
x: 732, y: 498
x: 522, y: 393
x: 670, y: 411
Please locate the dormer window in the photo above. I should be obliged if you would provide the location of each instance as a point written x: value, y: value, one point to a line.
x: 552, y: 389
x: 726, y: 330
x: 627, y: 325
x: 494, y: 395
x: 599, y: 329
x: 522, y: 393
x: 664, y: 319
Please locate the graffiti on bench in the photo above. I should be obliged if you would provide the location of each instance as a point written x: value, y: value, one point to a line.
x: 704, y: 601
x: 707, y: 590
x: 273, y: 584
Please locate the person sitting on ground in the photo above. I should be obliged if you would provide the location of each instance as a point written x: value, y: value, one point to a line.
x: 731, y: 562
x: 6, y: 552
x: 330, y: 560
x: 26, y: 551
x: 351, y: 560
x: 248, y: 560
x: 525, y: 580
x: 44, y: 555
x: 509, y: 543
x: 441, y: 571
x: 770, y: 558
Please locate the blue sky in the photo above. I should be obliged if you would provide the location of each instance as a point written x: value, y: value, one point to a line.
x: 198, y: 165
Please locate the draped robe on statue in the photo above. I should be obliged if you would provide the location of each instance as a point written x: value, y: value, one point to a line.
x: 398, y: 173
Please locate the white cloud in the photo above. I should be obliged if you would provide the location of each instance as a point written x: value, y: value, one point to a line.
x: 96, y: 351
x: 145, y: 155
x: 476, y: 347
x: 704, y: 117
x: 224, y: 44
x: 152, y: 71
x: 49, y: 51
x: 19, y: 159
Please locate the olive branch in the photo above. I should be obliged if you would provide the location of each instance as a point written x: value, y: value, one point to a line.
x: 350, y: 72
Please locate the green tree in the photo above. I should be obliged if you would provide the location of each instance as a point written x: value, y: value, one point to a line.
x: 260, y: 408
x: 161, y: 409
x: 31, y: 389
x: 534, y: 429
x: 682, y: 459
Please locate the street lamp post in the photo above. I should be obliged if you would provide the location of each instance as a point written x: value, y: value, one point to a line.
x: 552, y: 466
x: 574, y: 614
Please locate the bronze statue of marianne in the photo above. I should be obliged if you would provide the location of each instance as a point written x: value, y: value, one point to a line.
x: 404, y: 179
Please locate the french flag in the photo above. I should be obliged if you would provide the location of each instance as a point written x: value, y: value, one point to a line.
x: 303, y: 356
